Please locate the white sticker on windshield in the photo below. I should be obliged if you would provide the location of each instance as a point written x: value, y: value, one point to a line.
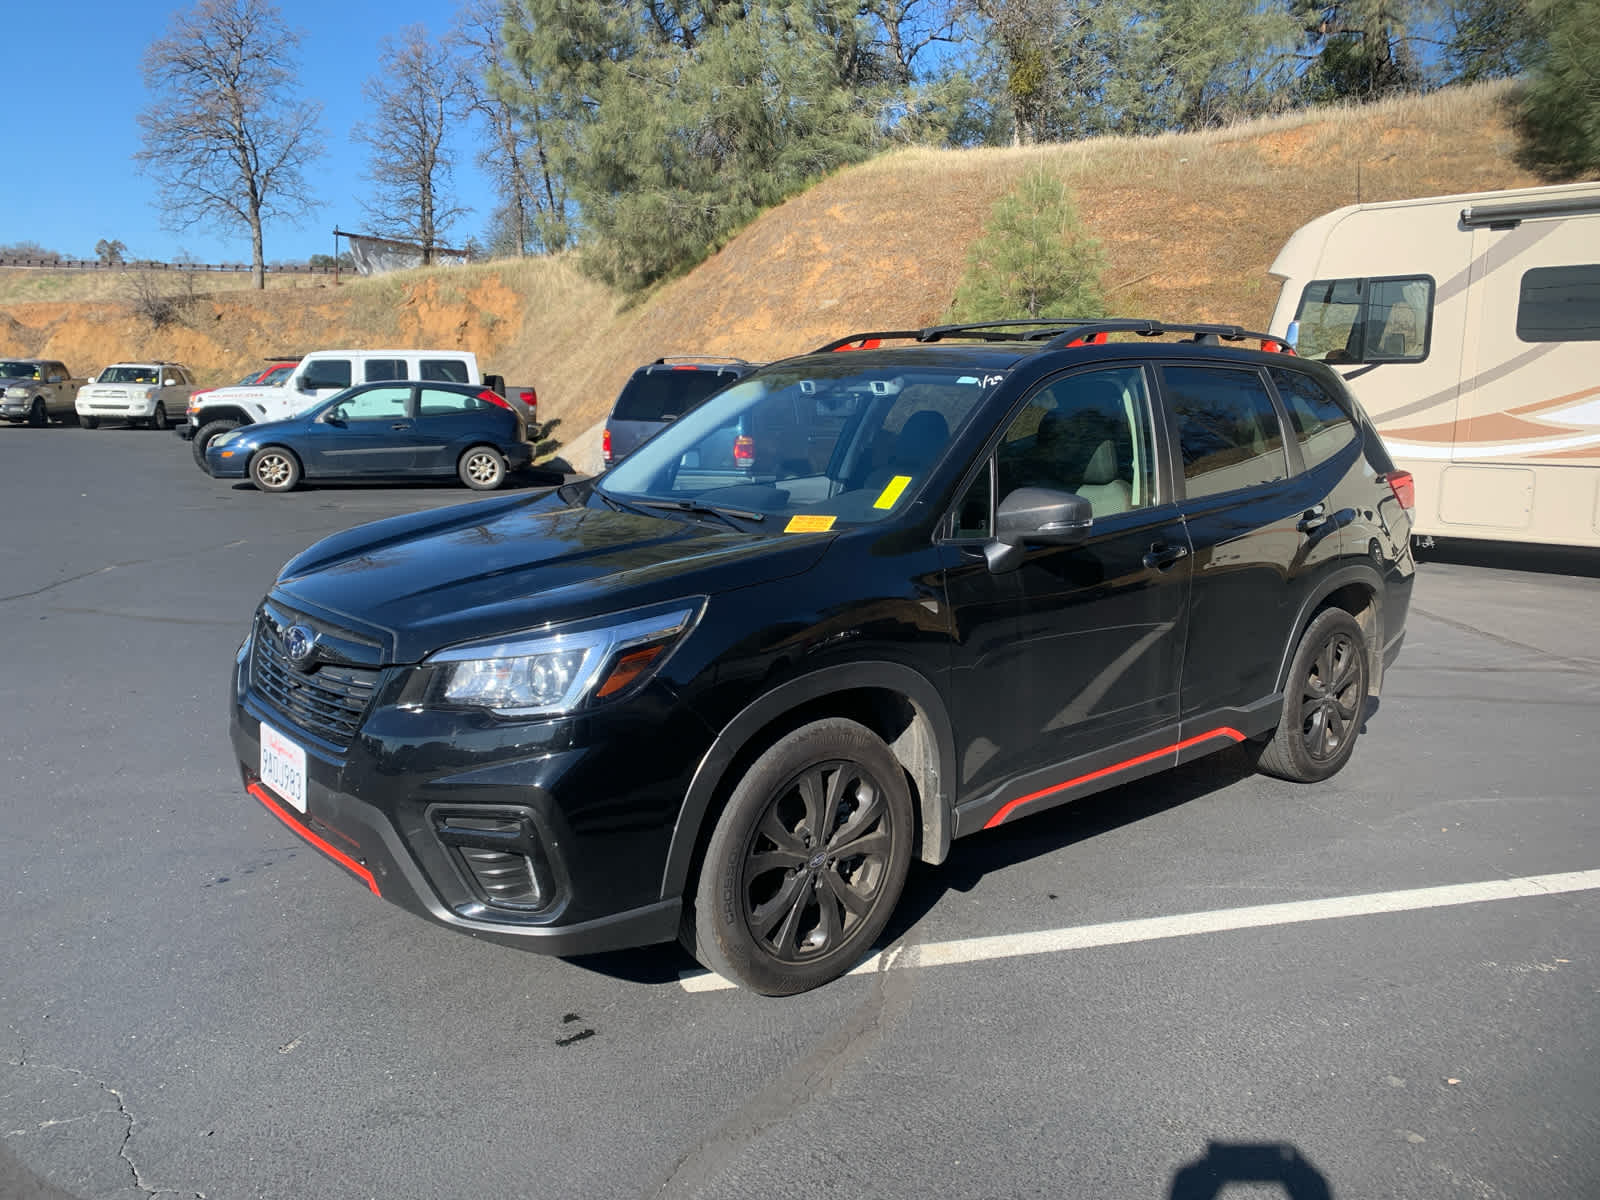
x: 968, y: 379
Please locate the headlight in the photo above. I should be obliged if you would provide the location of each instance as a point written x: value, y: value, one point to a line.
x: 226, y: 436
x: 554, y: 672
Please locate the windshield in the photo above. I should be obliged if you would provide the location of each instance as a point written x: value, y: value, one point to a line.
x: 19, y: 370
x: 818, y: 442
x: 129, y: 375
x: 276, y: 376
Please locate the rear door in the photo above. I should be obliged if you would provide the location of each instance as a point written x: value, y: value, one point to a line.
x: 1260, y: 530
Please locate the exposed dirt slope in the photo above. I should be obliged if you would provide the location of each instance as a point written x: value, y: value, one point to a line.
x: 1189, y: 224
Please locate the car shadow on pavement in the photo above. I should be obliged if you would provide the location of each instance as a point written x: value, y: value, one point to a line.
x: 1510, y: 556
x: 974, y: 857
x: 527, y: 479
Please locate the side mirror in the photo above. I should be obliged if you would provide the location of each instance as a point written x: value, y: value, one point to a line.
x: 90, y: 379
x: 303, y: 384
x: 1291, y: 336
x: 1033, y: 516
x: 169, y: 383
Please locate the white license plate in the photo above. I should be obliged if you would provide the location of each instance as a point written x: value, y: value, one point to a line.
x: 283, y: 766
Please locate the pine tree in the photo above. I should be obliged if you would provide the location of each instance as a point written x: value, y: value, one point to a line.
x: 1561, y: 107
x: 1034, y: 259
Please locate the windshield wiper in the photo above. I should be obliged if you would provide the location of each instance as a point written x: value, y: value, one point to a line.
x: 695, y: 508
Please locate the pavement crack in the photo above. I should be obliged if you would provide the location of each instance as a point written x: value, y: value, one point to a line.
x: 1582, y: 664
x: 123, y: 1111
x: 39, y: 591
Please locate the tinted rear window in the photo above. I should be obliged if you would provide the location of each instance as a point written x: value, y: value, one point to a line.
x: 1320, y: 424
x: 379, y: 370
x: 1228, y: 430
x: 664, y: 395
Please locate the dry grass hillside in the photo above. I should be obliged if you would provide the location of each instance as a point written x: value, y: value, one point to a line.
x: 1189, y: 224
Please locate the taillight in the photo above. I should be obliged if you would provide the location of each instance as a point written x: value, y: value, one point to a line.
x: 495, y: 398
x: 744, y: 450
x: 529, y: 397
x: 1404, y: 489
x: 605, y: 446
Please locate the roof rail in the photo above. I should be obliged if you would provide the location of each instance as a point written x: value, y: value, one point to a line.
x: 1056, y: 333
x: 670, y: 358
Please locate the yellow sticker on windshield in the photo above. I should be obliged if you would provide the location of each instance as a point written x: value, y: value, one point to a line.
x: 891, y: 491
x: 813, y: 523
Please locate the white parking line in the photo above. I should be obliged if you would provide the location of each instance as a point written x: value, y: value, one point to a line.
x: 1115, y: 933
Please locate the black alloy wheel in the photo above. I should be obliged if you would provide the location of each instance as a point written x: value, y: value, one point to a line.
x: 807, y: 861
x: 1324, y: 703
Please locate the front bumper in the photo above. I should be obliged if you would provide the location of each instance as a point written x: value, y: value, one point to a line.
x: 116, y: 410
x: 384, y: 809
x: 237, y: 466
x: 15, y: 410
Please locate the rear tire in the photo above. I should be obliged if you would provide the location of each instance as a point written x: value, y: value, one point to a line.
x: 89, y: 422
x: 158, y: 419
x: 482, y: 468
x: 274, y: 469
x: 806, y: 862
x: 1324, y: 702
x: 203, y: 436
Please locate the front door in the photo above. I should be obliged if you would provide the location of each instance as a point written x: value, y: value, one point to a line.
x: 1071, y: 662
x: 370, y: 432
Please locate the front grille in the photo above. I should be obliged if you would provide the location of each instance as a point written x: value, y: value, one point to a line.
x: 327, y: 702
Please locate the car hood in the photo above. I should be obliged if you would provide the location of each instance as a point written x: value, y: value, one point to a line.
x: 263, y: 432
x: 15, y: 380
x: 433, y: 579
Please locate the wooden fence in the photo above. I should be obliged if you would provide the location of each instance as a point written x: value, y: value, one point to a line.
x: 89, y: 264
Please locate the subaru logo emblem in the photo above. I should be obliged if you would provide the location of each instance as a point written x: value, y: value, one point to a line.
x: 298, y: 643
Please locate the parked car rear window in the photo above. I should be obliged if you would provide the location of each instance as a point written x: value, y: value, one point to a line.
x: 433, y: 403
x: 1320, y: 423
x: 444, y: 370
x: 1228, y: 430
x: 665, y: 395
x: 1559, y: 304
x: 380, y: 370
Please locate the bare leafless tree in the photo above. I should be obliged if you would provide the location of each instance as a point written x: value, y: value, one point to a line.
x: 420, y: 91
x: 224, y: 136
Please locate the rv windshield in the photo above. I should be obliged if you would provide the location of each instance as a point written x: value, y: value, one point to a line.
x: 1366, y: 320
x: 815, y: 443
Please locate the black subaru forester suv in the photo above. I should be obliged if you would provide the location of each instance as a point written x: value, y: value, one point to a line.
x: 953, y: 582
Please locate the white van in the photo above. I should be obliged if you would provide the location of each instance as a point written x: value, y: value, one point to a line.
x: 1469, y: 329
x: 316, y: 377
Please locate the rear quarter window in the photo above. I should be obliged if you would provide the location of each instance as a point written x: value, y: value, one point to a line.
x: 1318, y: 421
x: 444, y: 370
x: 382, y: 370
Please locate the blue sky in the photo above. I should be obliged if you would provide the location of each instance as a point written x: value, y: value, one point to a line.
x: 76, y: 123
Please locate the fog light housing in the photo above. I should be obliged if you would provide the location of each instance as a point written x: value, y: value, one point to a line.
x: 499, y: 856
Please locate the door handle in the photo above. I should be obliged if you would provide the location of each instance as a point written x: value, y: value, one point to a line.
x: 401, y: 425
x: 1313, y: 519
x: 1161, y: 556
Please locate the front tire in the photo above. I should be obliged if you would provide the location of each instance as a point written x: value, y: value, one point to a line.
x: 158, y: 419
x: 482, y: 468
x: 203, y: 436
x: 274, y: 469
x: 89, y: 422
x: 1324, y: 702
x: 807, y: 861
x: 38, y: 418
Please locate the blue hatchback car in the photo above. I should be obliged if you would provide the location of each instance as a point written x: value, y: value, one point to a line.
x: 381, y: 431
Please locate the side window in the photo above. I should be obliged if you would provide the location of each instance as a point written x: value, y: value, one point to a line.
x: 327, y: 373
x: 1088, y: 433
x: 444, y: 370
x: 1366, y: 320
x: 380, y: 370
x: 1320, y: 425
x: 1228, y: 431
x: 435, y: 403
x: 1559, y: 304
x: 377, y: 404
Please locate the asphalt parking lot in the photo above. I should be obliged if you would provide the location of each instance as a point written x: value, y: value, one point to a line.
x: 1177, y: 989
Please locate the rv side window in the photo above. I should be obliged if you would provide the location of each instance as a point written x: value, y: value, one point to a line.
x: 1559, y: 304
x: 1366, y: 320
x: 1321, y: 426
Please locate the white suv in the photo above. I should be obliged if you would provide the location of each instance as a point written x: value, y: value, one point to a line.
x: 147, y: 393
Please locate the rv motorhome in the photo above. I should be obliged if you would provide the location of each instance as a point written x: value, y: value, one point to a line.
x: 1469, y: 329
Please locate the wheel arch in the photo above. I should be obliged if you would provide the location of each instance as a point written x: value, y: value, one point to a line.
x: 896, y: 702
x: 1356, y: 589
x: 222, y: 412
